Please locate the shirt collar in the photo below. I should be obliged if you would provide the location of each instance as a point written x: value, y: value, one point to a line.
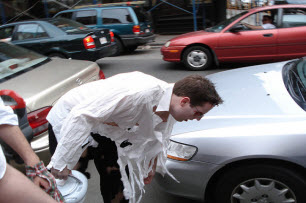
x: 164, y: 103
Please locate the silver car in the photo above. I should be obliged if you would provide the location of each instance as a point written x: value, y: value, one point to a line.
x: 252, y: 148
x: 40, y: 81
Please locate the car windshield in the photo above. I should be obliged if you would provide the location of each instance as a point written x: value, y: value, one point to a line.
x: 15, y: 60
x: 223, y: 24
x: 295, y: 80
x: 67, y: 25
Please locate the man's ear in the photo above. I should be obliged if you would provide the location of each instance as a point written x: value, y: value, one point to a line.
x: 184, y: 101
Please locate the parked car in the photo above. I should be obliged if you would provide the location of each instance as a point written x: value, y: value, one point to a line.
x: 252, y: 147
x: 39, y: 81
x: 131, y: 26
x: 230, y: 41
x: 62, y: 38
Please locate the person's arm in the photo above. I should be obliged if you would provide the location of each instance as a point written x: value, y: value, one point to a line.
x: 150, y: 177
x: 90, y: 115
x: 253, y: 27
x: 15, y: 187
x: 12, y: 135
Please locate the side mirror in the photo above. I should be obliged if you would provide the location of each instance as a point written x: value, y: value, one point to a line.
x: 236, y: 28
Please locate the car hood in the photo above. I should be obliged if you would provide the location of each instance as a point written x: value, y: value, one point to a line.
x: 252, y: 96
x: 43, y: 85
x: 192, y: 35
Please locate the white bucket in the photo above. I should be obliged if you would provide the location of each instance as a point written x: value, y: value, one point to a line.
x: 74, y: 188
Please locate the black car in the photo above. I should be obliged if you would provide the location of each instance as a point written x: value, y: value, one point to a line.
x: 60, y: 37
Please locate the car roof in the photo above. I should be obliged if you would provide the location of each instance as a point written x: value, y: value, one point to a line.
x: 29, y: 21
x: 96, y: 8
x: 277, y: 6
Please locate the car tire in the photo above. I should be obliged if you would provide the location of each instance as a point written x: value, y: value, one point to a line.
x: 57, y: 55
x: 119, y: 47
x: 130, y: 49
x: 197, y: 58
x: 260, y: 183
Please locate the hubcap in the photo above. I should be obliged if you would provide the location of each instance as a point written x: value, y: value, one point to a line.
x: 262, y: 190
x: 197, y: 58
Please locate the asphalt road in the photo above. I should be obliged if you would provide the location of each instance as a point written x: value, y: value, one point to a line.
x: 147, y: 60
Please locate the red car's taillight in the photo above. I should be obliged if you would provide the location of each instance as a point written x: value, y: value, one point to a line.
x: 136, y: 29
x: 112, y: 36
x: 89, y: 42
x: 101, y: 75
x: 37, y: 120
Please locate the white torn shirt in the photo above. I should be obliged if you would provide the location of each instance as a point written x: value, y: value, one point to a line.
x: 127, y: 100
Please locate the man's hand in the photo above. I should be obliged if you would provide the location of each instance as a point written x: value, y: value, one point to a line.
x: 150, y: 177
x: 40, y: 182
x: 61, y: 174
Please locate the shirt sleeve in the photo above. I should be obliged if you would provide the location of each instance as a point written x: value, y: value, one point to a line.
x: 7, y: 115
x: 120, y: 107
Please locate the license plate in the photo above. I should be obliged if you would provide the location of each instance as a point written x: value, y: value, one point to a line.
x: 147, y: 30
x: 103, y: 40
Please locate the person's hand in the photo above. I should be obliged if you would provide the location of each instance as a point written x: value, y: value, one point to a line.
x: 61, y: 174
x: 40, y: 182
x: 150, y: 177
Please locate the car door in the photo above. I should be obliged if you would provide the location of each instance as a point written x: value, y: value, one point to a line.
x: 292, y: 40
x: 30, y: 36
x: 248, y: 45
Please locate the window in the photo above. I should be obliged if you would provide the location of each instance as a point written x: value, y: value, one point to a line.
x: 261, y: 20
x: 65, y: 15
x: 30, y: 31
x: 114, y: 16
x: 6, y: 33
x: 294, y: 17
x: 15, y: 60
x: 88, y: 17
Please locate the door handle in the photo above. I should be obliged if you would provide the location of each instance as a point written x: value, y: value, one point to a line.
x: 268, y: 35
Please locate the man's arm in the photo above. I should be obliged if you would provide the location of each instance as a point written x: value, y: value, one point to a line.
x: 15, y: 187
x: 253, y: 27
x: 12, y: 135
x: 90, y: 115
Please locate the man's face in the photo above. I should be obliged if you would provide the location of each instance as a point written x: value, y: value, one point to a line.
x: 266, y: 20
x: 185, y: 111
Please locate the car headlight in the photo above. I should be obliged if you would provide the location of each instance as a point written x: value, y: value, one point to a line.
x: 180, y: 152
x: 168, y: 44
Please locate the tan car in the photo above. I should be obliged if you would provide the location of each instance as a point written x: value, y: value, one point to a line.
x: 40, y: 81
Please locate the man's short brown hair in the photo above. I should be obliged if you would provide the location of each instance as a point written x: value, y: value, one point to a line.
x: 198, y: 89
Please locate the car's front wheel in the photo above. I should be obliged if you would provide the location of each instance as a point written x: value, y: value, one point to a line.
x: 197, y: 58
x: 260, y: 183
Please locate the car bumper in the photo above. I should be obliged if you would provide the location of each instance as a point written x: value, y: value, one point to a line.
x: 96, y: 53
x: 172, y: 54
x: 192, y: 176
x: 136, y: 40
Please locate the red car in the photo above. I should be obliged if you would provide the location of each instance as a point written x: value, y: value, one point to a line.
x: 265, y: 34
